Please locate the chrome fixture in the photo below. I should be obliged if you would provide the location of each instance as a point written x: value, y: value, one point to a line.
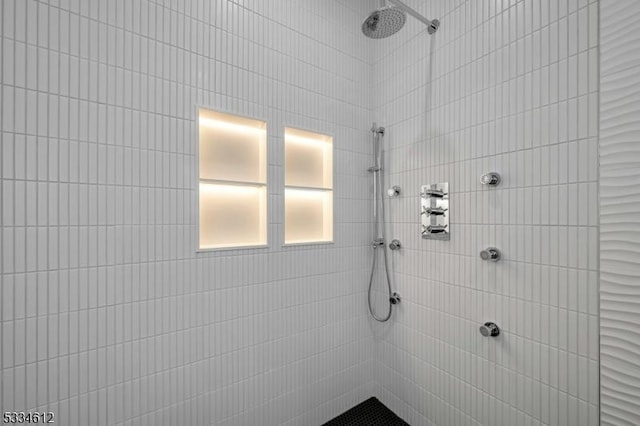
x: 490, y: 329
x: 394, y: 191
x: 432, y: 192
x: 491, y: 254
x: 378, y: 225
x: 428, y: 231
x: 491, y: 179
x: 395, y: 245
x: 439, y: 211
x: 388, y: 20
x: 434, y: 213
x: 378, y: 242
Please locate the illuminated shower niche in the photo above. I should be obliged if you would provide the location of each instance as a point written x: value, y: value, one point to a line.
x: 233, y: 181
x: 308, y: 187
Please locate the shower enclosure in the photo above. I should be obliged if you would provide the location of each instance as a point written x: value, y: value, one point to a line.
x: 524, y: 113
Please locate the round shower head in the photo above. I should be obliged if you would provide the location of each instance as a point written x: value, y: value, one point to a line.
x: 384, y: 22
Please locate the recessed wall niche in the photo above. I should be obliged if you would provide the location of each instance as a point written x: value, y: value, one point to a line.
x: 308, y: 187
x: 233, y: 181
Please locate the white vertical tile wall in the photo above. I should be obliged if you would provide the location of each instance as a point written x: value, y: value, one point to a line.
x: 510, y: 86
x: 620, y: 212
x: 109, y: 316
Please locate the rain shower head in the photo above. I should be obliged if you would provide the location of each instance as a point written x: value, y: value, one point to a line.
x: 388, y: 20
x: 384, y: 22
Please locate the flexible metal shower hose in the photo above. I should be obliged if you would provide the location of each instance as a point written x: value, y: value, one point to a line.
x: 378, y: 196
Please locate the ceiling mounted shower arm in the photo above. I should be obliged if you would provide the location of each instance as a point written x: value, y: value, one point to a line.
x: 432, y: 26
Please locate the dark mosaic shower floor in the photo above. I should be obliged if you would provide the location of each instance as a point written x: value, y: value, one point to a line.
x: 368, y: 413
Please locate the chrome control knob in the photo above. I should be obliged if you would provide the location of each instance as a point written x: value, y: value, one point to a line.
x: 394, y: 299
x: 490, y: 329
x: 491, y: 254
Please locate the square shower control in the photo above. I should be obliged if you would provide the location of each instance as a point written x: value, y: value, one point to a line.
x: 435, y: 211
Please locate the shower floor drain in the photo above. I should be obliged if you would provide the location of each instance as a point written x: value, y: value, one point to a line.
x: 368, y: 413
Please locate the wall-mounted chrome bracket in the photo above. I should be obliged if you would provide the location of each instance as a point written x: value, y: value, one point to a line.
x: 435, y: 211
x: 377, y: 243
x: 432, y: 25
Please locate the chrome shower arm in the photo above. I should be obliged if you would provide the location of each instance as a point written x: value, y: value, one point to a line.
x: 432, y: 25
x: 411, y: 11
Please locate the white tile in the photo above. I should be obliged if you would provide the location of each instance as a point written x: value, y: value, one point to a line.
x: 82, y: 209
x: 534, y: 107
x: 618, y: 244
x: 98, y: 152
